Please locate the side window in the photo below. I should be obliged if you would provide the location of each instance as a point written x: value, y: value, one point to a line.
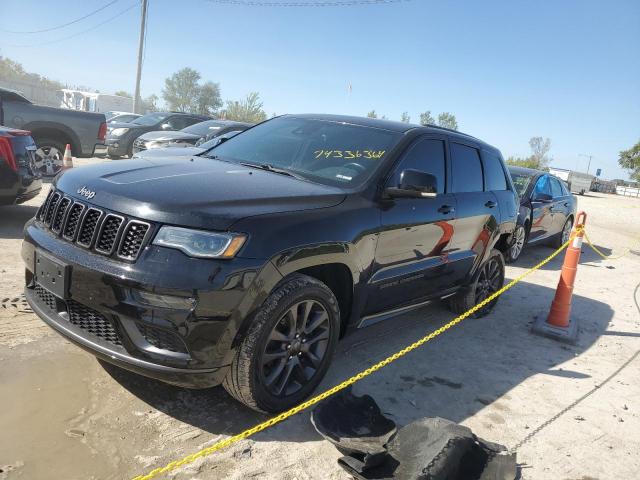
x: 565, y: 190
x: 426, y: 155
x: 542, y: 186
x: 556, y: 189
x: 466, y: 169
x: 493, y: 172
x: 178, y: 123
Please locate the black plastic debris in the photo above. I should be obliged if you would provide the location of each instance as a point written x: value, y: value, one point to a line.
x: 427, y: 449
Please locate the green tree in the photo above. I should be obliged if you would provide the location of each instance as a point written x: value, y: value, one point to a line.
x: 405, y: 117
x: 209, y: 101
x: 528, y: 162
x: 427, y: 119
x: 372, y: 114
x: 12, y: 70
x: 247, y: 110
x: 630, y: 160
x: 183, y: 93
x: 539, y: 149
x: 122, y: 93
x: 448, y: 120
x: 150, y: 103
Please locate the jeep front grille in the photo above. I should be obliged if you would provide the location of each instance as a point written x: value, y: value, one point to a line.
x: 105, y: 232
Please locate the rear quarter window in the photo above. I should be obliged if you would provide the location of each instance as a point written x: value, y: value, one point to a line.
x: 493, y: 172
x: 466, y: 169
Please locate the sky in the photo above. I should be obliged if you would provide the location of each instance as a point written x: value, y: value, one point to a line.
x: 568, y: 70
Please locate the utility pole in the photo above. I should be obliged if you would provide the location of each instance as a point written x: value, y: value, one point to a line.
x: 136, y: 95
x: 589, y: 157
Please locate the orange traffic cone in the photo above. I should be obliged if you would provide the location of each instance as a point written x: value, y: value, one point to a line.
x: 67, y: 160
x: 559, y: 324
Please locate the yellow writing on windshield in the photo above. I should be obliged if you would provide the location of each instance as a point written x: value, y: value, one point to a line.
x: 349, y: 154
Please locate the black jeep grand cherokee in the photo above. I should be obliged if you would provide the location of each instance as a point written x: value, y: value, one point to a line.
x: 244, y: 265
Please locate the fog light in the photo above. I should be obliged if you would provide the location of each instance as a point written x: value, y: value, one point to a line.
x: 165, y: 301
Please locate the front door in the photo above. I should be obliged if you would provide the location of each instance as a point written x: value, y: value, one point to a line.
x: 541, y: 212
x: 410, y: 260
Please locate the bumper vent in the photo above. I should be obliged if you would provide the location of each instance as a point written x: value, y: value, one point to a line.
x: 161, y: 338
x: 93, y: 322
x: 107, y: 233
x: 46, y: 298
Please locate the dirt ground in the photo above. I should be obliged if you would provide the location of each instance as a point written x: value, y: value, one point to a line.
x: 64, y: 415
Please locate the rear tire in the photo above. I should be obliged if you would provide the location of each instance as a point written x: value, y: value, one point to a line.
x: 288, y: 348
x: 564, y: 234
x: 519, y: 241
x: 487, y: 280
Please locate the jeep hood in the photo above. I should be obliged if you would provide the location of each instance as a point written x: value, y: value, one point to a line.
x: 197, y: 192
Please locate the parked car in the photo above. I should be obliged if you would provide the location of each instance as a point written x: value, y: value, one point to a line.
x: 198, y: 132
x: 123, y: 118
x: 185, y: 153
x: 547, y: 210
x: 53, y: 128
x: 122, y: 135
x: 19, y: 178
x: 245, y: 266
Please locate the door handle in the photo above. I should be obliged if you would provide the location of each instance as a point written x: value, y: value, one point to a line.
x: 566, y: 204
x: 446, y: 209
x: 490, y: 204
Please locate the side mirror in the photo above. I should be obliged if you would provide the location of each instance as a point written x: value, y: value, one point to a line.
x: 542, y: 197
x: 414, y: 184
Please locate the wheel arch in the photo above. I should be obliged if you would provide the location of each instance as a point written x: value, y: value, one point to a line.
x: 55, y: 131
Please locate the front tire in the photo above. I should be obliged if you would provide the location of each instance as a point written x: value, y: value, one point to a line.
x: 288, y: 348
x: 487, y: 280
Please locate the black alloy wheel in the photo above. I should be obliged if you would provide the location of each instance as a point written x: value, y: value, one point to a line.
x: 296, y: 348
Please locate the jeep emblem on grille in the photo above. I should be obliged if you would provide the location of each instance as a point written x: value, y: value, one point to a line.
x: 85, y: 192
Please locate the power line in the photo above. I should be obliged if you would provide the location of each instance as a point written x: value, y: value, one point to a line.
x: 81, y: 32
x: 65, y: 24
x: 312, y: 3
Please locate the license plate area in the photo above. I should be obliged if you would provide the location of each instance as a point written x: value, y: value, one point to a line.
x: 52, y: 274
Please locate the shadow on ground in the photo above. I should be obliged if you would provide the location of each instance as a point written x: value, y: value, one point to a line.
x: 13, y: 218
x: 454, y: 376
x: 534, y: 254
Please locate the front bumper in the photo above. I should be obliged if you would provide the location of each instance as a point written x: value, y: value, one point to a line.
x: 166, y: 316
x: 118, y: 147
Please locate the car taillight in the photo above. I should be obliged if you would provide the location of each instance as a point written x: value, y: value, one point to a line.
x: 102, y: 133
x: 6, y: 153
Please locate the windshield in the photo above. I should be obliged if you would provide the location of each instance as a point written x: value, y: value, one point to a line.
x: 150, y: 119
x: 203, y: 128
x: 327, y: 152
x: 521, y: 182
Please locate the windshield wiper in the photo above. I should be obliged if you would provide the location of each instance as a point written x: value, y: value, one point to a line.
x: 270, y: 168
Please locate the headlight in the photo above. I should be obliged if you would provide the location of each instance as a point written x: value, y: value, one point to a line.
x: 197, y: 243
x: 118, y: 132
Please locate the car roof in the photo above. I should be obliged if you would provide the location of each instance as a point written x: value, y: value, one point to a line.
x: 391, y: 125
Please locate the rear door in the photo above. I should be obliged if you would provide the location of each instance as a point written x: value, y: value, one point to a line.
x: 478, y: 214
x: 541, y: 213
x: 410, y: 260
x: 495, y: 180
